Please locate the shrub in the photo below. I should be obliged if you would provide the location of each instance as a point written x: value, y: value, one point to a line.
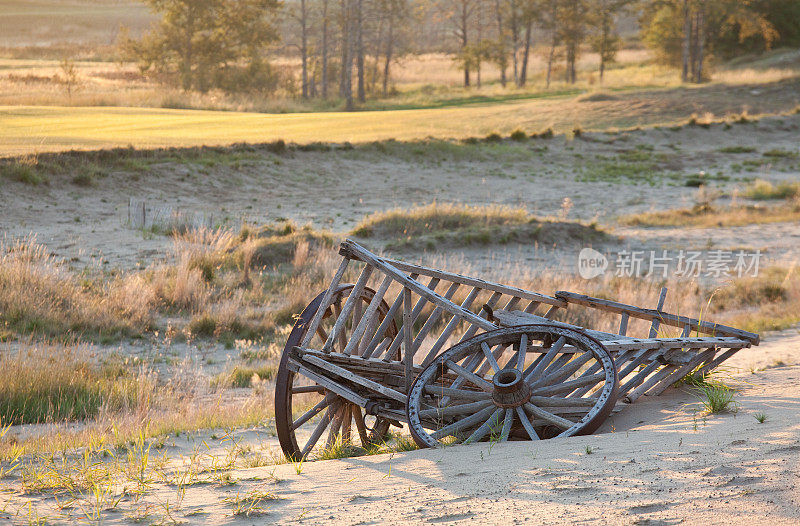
x: 518, y: 135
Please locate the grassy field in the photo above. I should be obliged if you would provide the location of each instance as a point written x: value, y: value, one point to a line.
x: 27, y: 129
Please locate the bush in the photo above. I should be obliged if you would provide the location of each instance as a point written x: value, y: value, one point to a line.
x: 518, y: 135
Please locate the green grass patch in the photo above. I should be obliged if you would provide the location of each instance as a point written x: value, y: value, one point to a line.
x: 761, y: 190
x: 241, y: 376
x: 712, y: 216
x: 737, y: 149
x: 39, y: 385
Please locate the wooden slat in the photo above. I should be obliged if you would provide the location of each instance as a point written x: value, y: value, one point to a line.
x: 341, y: 319
x: 329, y: 384
x: 716, y: 361
x: 348, y: 375
x: 433, y: 319
x: 351, y: 247
x: 664, y: 317
x: 408, y: 337
x: 623, y: 324
x: 469, y: 333
x: 661, y: 386
x: 466, y: 280
x: 326, y: 299
x: 366, y: 319
x: 398, y: 340
x: 451, y: 326
x: 654, y: 326
x: 380, y: 335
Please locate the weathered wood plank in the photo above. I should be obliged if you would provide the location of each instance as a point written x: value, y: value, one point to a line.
x: 664, y: 317
x: 326, y: 299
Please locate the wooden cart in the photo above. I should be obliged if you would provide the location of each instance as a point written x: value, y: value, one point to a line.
x: 460, y: 359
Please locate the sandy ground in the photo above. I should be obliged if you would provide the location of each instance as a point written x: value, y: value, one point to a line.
x: 658, y: 461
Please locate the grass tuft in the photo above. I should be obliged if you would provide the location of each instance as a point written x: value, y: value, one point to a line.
x: 53, y: 384
x: 761, y: 190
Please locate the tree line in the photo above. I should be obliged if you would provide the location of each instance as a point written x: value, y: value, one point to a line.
x: 347, y: 48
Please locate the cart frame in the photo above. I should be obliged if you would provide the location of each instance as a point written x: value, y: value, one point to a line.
x: 374, y: 350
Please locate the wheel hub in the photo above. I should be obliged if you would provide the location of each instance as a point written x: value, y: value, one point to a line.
x: 510, y: 389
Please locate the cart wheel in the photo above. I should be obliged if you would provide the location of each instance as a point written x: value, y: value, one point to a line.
x: 298, y: 399
x: 484, y: 389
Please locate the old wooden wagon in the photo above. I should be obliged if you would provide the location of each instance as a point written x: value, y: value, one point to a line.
x: 459, y: 359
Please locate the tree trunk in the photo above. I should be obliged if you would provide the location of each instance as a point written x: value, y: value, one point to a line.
x: 389, y: 50
x: 554, y: 42
x: 362, y: 94
x: 464, y: 38
x: 687, y: 37
x: 523, y: 74
x: 698, y: 76
x: 344, y: 50
x: 303, y: 49
x: 501, y: 40
x: 324, y: 49
x: 514, y: 27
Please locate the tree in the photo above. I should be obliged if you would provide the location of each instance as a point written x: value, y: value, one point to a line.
x: 531, y: 11
x: 603, y: 19
x: 395, y: 16
x: 572, y: 19
x: 213, y: 43
x: 69, y: 76
x: 551, y: 19
x: 460, y: 15
x: 686, y: 33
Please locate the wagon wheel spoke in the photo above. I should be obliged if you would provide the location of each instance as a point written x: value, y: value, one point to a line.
x: 311, y: 413
x: 300, y: 389
x: 462, y: 394
x: 508, y: 421
x: 322, y: 333
x: 333, y: 433
x: 362, y: 429
x: 470, y: 420
x: 556, y: 420
x: 347, y: 423
x: 469, y: 376
x: 487, y: 427
x: 487, y: 364
x: 450, y: 410
x: 570, y: 368
x: 321, y: 426
x: 490, y: 359
x: 526, y: 423
x: 523, y: 351
x: 546, y: 359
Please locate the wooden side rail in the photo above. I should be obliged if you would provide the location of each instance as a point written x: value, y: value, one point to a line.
x: 657, y: 315
x: 352, y: 250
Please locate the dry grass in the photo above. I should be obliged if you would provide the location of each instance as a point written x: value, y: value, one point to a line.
x: 437, y: 217
x: 715, y: 216
x: 52, y: 383
x: 761, y: 190
x: 440, y: 225
x: 38, y: 295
